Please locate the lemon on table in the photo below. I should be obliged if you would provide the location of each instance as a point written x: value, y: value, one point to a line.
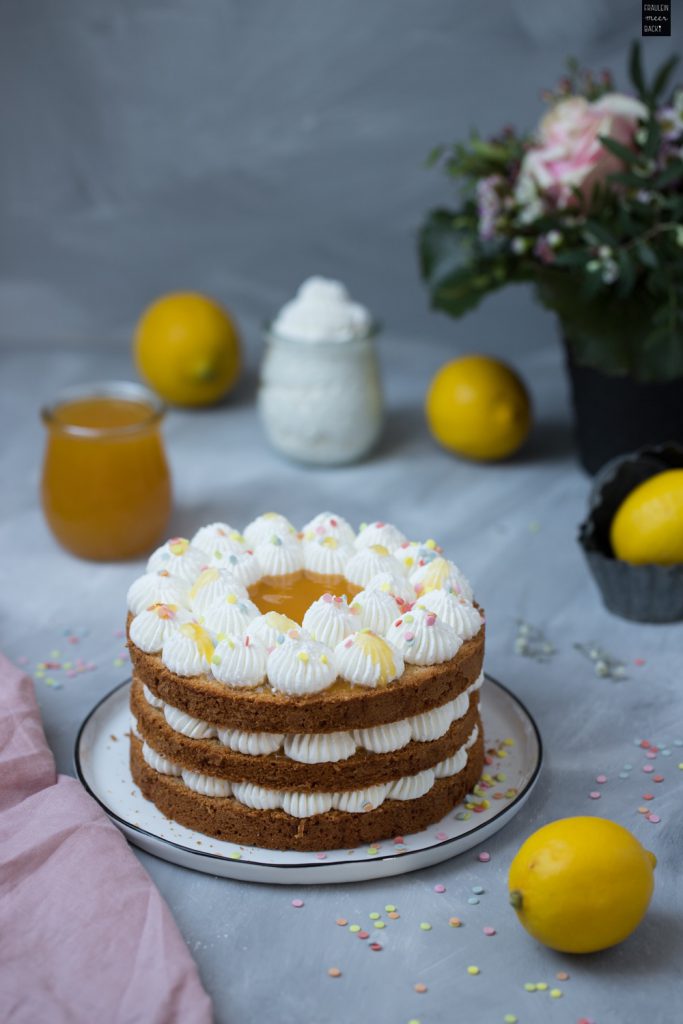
x: 187, y: 348
x: 478, y: 407
x: 581, y: 884
x: 648, y: 525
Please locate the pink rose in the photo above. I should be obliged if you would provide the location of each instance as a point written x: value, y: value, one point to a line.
x: 569, y: 154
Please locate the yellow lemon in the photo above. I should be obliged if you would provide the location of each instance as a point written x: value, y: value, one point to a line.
x: 581, y: 884
x: 478, y: 407
x: 187, y: 348
x: 648, y: 525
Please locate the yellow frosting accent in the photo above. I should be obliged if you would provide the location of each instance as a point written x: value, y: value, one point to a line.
x: 324, y: 660
x: 431, y: 544
x: 330, y: 542
x: 304, y: 656
x: 379, y: 549
x: 178, y: 546
x: 231, y: 599
x: 205, y: 577
x: 435, y: 576
x: 280, y: 622
x: 201, y: 638
x: 378, y: 651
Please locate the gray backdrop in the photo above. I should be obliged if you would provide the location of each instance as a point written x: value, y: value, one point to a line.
x: 237, y: 146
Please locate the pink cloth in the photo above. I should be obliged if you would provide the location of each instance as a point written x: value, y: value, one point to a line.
x: 85, y: 936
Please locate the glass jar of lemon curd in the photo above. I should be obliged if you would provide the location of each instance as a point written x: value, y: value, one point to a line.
x: 106, y: 487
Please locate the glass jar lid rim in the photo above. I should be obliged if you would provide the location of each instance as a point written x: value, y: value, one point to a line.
x: 126, y: 391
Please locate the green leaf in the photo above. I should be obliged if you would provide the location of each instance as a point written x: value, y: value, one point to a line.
x: 623, y: 152
x: 635, y: 68
x: 458, y: 278
x: 674, y: 172
x: 435, y: 155
x: 662, y: 77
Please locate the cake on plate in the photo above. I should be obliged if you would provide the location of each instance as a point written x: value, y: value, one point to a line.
x: 304, y: 690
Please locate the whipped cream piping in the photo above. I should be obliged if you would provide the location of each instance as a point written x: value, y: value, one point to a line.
x: 239, y: 661
x: 397, y: 586
x: 366, y: 659
x: 243, y: 565
x: 441, y: 574
x: 219, y: 537
x: 188, y: 650
x: 385, y: 534
x: 423, y: 638
x: 320, y: 748
x: 279, y: 557
x: 455, y: 611
x: 153, y: 627
x: 305, y: 804
x: 211, y: 585
x: 368, y: 562
x: 376, y: 609
x: 230, y: 614
x: 330, y: 620
x: 328, y: 524
x: 179, y: 558
x: 158, y: 587
x: 326, y: 556
x: 414, y: 553
x: 300, y: 665
x: 268, y: 525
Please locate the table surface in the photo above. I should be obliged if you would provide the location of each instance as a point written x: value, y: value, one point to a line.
x: 513, y: 529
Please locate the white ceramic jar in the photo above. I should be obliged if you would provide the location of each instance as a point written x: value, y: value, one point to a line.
x: 320, y: 397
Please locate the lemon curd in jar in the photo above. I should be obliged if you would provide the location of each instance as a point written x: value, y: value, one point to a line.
x: 106, y: 487
x: 293, y: 595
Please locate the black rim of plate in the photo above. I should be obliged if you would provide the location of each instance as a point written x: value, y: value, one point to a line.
x: 504, y: 811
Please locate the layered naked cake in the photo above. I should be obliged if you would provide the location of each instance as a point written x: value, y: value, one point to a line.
x: 304, y: 690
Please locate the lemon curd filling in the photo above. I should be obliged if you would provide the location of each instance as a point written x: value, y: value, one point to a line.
x: 292, y: 595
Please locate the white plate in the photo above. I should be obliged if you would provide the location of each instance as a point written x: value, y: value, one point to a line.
x: 101, y: 759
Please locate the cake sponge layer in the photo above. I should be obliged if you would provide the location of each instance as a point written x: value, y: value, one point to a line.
x: 226, y: 818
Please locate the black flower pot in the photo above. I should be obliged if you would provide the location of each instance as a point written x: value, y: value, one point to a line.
x: 615, y: 415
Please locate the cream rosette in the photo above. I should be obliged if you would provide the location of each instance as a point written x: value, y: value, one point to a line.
x: 376, y: 609
x: 311, y: 748
x: 326, y: 556
x: 385, y: 534
x: 240, y: 662
x: 441, y: 574
x: 456, y: 611
x: 230, y: 614
x: 267, y: 525
x: 397, y: 585
x: 243, y: 565
x: 179, y: 558
x: 328, y: 524
x: 415, y: 553
x: 272, y: 628
x: 330, y: 620
x: 158, y: 587
x: 367, y: 562
x: 188, y: 650
x: 366, y: 659
x: 219, y: 537
x: 411, y: 787
x: 152, y: 628
x: 422, y: 638
x: 301, y: 666
x: 211, y: 585
x: 278, y: 556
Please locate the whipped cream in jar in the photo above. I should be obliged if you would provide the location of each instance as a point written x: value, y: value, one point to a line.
x: 320, y: 398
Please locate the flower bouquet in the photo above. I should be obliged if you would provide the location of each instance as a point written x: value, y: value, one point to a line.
x: 589, y: 208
